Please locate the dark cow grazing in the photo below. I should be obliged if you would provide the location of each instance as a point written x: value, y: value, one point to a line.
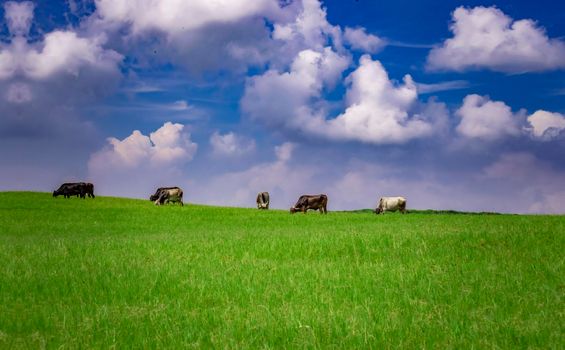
x: 315, y: 202
x: 391, y: 204
x: 263, y: 200
x: 165, y: 195
x: 89, y: 190
x: 69, y: 189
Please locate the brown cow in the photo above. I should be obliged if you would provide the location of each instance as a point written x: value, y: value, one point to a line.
x: 315, y: 202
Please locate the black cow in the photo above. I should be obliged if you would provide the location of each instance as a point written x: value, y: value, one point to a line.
x: 315, y: 202
x: 165, y: 195
x: 69, y: 189
x: 79, y: 189
x: 89, y: 190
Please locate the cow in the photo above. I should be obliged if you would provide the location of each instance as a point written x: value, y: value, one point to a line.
x: 315, y: 202
x: 263, y: 200
x: 165, y: 195
x: 89, y: 190
x: 391, y: 204
x: 69, y: 189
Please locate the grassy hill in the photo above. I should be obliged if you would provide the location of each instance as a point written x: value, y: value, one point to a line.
x: 118, y: 272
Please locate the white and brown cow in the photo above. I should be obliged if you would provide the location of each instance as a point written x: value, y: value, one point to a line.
x: 263, y: 200
x: 165, y: 195
x: 391, y: 204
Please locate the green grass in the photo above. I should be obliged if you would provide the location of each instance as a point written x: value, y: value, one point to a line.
x: 123, y: 273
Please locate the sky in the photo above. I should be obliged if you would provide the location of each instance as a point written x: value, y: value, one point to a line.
x: 452, y: 104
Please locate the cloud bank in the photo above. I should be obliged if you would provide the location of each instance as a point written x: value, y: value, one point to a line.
x: 486, y: 38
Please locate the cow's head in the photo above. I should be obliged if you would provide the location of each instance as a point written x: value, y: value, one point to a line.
x: 293, y: 210
x: 379, y: 210
x: 55, y: 193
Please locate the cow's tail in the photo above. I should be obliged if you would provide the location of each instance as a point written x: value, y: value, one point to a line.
x: 180, y: 198
x: 325, y: 203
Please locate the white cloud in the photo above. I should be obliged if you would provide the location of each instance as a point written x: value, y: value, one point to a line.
x: 168, y: 145
x: 198, y: 35
x: 484, y: 37
x: 230, y: 144
x: 138, y: 164
x: 177, y: 16
x: 65, y: 51
x: 58, y: 51
x: 18, y: 16
x: 46, y: 80
x: 378, y: 110
x: 310, y: 29
x: 358, y: 39
x: 484, y: 119
x: 546, y: 125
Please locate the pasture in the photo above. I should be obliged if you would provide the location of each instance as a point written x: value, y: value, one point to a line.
x: 114, y: 272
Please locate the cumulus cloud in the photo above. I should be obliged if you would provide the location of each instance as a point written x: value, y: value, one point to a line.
x: 138, y: 163
x: 489, y: 120
x: 173, y: 16
x: 310, y: 29
x: 484, y: 37
x: 58, y: 52
x: 546, y: 125
x: 166, y: 146
x: 358, y: 39
x: 377, y: 111
x: 199, y: 35
x: 230, y: 144
x: 48, y: 80
x: 19, y: 16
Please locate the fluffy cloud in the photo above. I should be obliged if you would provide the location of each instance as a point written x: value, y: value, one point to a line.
x: 484, y: 119
x: 173, y: 16
x: 230, y: 145
x: 358, y: 39
x: 19, y: 16
x: 200, y: 35
x: 378, y: 110
x: 168, y: 145
x: 546, y: 125
x: 61, y: 70
x: 139, y: 162
x: 310, y: 29
x: 58, y: 52
x: 484, y: 37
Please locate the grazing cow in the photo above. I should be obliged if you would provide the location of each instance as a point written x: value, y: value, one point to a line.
x: 69, y: 189
x: 315, y: 202
x: 89, y: 190
x: 165, y: 195
x: 263, y: 200
x: 391, y: 204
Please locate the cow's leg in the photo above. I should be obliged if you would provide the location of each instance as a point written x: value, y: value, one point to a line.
x: 304, y: 209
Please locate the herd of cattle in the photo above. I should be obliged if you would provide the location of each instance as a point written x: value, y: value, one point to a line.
x: 164, y: 195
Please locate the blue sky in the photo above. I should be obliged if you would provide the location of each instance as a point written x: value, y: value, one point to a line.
x: 455, y: 105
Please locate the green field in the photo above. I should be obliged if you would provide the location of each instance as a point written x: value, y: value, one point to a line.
x: 111, y: 272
